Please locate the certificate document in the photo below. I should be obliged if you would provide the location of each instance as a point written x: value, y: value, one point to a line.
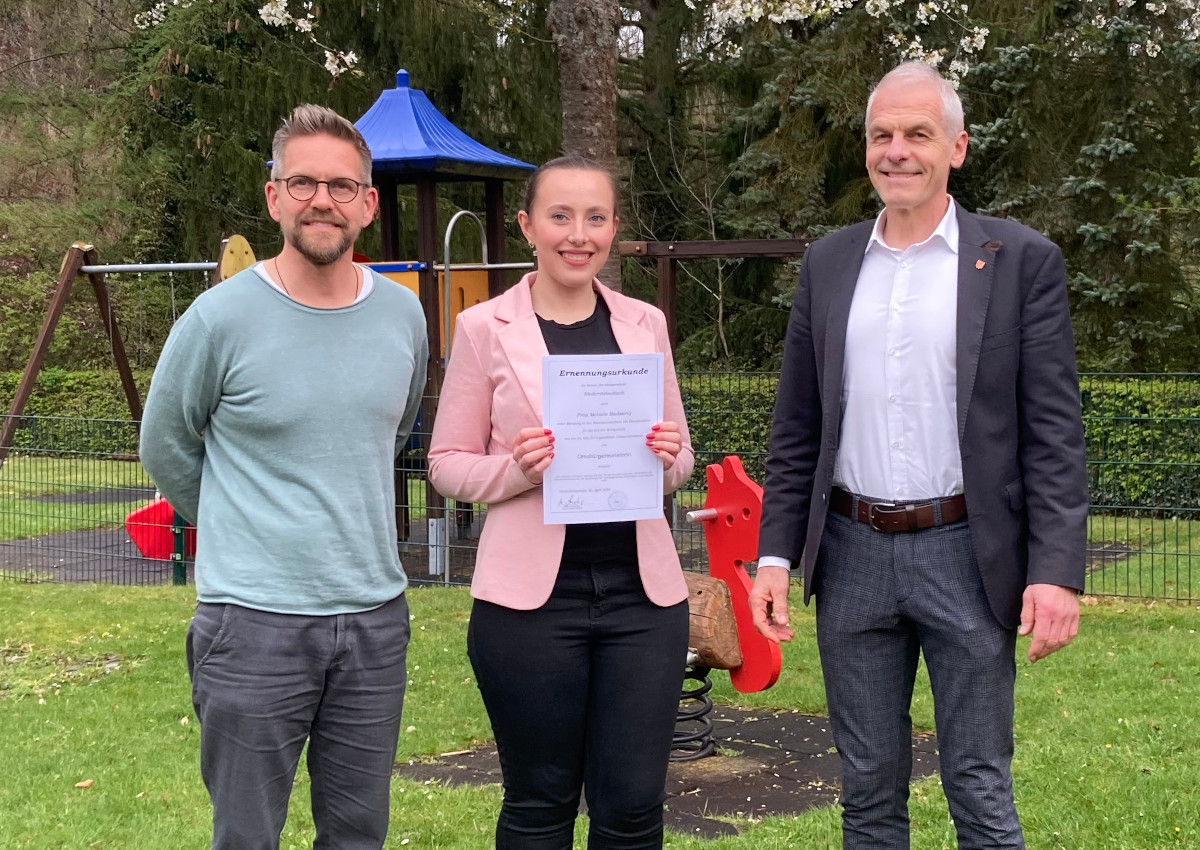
x: 600, y: 407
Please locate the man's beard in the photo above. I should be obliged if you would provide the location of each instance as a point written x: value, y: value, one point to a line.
x: 320, y: 253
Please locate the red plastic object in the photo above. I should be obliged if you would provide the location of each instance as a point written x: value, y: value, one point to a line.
x: 732, y: 538
x: 149, y: 527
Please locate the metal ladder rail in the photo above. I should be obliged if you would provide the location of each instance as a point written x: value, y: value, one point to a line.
x: 439, y: 528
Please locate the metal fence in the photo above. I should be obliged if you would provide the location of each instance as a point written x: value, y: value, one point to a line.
x: 70, y: 484
x: 1143, y: 446
x: 64, y: 494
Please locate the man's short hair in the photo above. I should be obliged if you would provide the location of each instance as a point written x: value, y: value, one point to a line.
x: 919, y: 72
x: 310, y: 120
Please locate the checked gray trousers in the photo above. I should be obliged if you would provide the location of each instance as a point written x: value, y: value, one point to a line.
x: 263, y: 684
x: 882, y: 600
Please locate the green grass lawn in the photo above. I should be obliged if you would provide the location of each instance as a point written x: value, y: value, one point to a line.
x: 26, y: 476
x: 23, y: 518
x: 93, y: 687
x: 26, y: 481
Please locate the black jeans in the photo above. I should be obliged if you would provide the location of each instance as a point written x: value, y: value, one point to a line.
x: 582, y: 692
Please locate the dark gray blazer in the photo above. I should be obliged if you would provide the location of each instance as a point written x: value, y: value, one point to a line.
x: 1020, y: 427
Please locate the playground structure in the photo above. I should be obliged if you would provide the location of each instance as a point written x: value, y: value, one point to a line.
x: 83, y: 259
x: 411, y: 142
x: 155, y: 529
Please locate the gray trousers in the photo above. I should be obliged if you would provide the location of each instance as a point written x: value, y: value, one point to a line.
x: 263, y: 684
x: 882, y: 599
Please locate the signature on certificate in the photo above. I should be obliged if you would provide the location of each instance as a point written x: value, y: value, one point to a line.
x: 570, y: 503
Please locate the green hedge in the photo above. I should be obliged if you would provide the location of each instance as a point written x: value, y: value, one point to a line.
x: 1142, y: 431
x: 728, y: 413
x: 75, y: 411
x: 1143, y: 441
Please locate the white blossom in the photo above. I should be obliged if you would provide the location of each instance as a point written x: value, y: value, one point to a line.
x: 730, y: 14
x: 736, y: 14
x: 338, y: 63
x: 151, y: 17
x: 275, y: 13
x: 976, y: 41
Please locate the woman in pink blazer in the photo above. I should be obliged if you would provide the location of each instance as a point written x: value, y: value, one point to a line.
x: 578, y: 634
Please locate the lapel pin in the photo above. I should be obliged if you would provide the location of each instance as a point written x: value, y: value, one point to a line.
x: 980, y: 264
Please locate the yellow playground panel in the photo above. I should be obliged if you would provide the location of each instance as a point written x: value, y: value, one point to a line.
x: 467, y: 287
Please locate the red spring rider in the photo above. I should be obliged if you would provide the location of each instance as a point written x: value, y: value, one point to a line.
x: 732, y: 510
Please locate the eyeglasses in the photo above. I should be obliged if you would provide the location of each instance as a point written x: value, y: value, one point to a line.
x: 343, y: 190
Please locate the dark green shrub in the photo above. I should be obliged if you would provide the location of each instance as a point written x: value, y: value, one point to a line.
x: 1143, y: 441
x: 728, y: 413
x: 75, y: 411
x: 1142, y: 432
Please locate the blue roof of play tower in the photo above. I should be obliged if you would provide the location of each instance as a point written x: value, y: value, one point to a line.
x: 409, y: 138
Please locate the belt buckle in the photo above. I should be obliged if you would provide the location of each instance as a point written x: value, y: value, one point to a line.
x: 875, y: 509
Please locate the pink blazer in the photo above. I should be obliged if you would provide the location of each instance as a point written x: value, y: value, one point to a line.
x: 493, y: 389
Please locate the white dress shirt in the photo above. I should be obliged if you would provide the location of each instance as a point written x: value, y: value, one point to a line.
x: 899, y: 438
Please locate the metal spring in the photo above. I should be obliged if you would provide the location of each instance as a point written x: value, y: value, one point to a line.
x: 693, y: 726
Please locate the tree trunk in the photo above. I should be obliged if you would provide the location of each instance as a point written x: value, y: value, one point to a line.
x: 585, y: 33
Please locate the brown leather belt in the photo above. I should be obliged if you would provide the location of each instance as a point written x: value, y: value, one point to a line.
x: 890, y: 518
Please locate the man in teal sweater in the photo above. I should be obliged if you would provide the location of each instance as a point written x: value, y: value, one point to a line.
x: 272, y: 423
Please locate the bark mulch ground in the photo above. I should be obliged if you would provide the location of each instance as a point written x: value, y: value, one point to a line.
x: 767, y: 763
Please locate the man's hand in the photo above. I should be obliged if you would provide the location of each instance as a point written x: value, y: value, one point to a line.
x: 1051, y: 613
x: 768, y: 603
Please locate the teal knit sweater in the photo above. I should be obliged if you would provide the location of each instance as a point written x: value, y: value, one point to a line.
x: 274, y: 428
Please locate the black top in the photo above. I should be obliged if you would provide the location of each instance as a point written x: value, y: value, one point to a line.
x: 592, y: 541
x: 592, y: 335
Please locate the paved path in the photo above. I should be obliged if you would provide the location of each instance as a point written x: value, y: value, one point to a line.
x: 103, y: 555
